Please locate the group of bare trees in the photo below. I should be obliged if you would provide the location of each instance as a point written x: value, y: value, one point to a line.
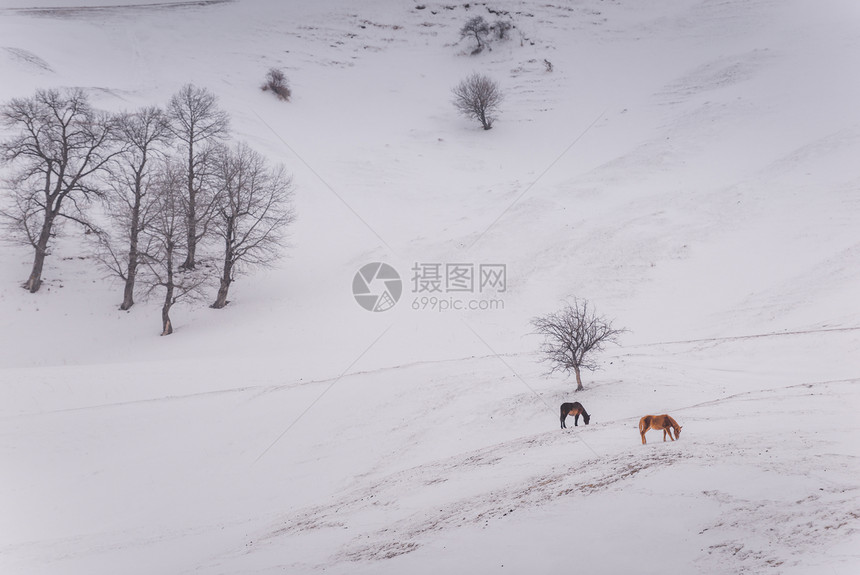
x: 164, y: 191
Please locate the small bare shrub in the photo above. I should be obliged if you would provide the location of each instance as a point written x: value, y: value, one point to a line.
x: 277, y: 82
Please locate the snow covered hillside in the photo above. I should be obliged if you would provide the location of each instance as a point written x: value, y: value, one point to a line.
x: 688, y: 166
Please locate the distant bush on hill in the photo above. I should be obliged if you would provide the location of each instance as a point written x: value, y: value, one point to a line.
x: 277, y: 82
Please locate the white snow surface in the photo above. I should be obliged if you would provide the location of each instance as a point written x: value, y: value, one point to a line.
x: 688, y: 166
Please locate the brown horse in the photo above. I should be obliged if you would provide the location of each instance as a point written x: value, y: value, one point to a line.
x: 658, y: 422
x: 576, y: 410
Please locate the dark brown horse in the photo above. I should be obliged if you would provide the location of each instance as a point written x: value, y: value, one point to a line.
x: 658, y: 422
x: 575, y: 409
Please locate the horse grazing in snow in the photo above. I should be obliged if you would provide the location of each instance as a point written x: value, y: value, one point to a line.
x: 658, y: 422
x: 575, y: 409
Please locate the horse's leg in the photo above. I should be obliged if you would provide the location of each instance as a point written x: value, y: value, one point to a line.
x: 563, y: 417
x: 664, y: 434
x: 576, y: 420
x: 643, y: 436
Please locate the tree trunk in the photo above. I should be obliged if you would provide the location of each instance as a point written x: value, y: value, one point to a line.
x: 128, y: 294
x: 227, y: 275
x: 166, y: 326
x: 34, y: 282
x: 131, y: 272
x: 191, y: 222
x: 221, y: 300
x: 226, y: 280
x: 192, y: 236
x: 578, y: 379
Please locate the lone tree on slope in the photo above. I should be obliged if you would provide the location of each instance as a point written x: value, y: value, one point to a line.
x: 478, y: 97
x: 572, y: 336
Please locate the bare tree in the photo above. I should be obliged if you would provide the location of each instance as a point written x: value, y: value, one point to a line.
x: 572, y: 336
x: 277, y: 82
x: 478, y: 97
x: 60, y: 144
x: 164, y: 238
x: 199, y: 124
x: 253, y: 210
x: 145, y: 135
x: 477, y: 28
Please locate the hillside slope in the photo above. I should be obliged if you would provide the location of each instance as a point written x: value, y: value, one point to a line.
x: 686, y: 166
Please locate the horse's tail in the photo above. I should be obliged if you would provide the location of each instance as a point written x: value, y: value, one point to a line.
x: 644, y: 424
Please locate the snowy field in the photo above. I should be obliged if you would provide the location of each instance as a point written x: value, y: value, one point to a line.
x: 688, y: 166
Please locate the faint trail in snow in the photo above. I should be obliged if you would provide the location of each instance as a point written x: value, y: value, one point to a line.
x: 130, y: 402
x: 67, y: 11
x: 762, y: 392
x: 751, y: 336
x: 320, y: 396
x: 261, y: 389
x: 28, y: 59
